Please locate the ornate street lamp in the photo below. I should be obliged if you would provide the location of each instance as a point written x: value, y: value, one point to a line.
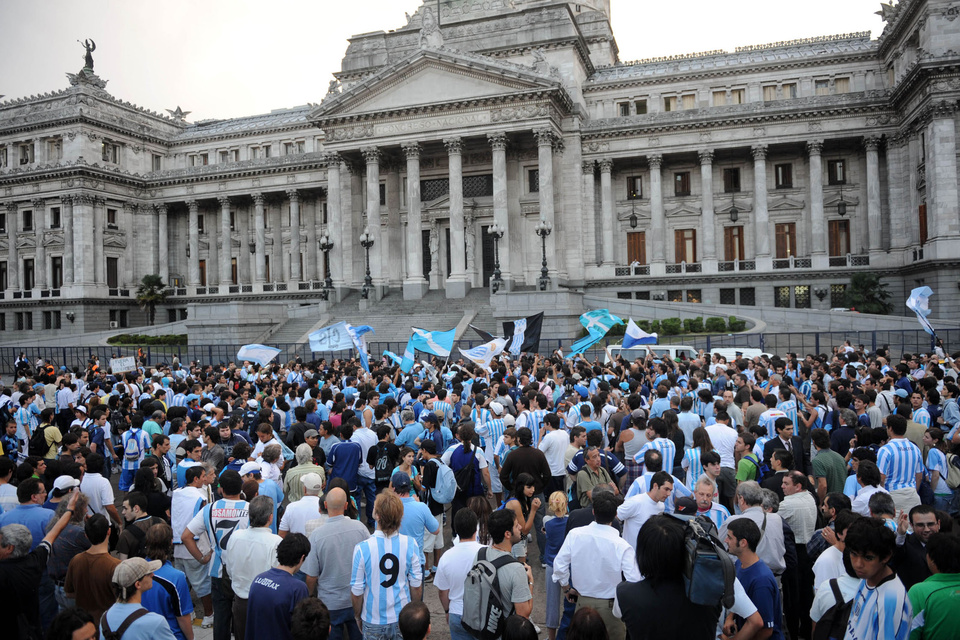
x: 496, y: 232
x: 821, y: 293
x: 325, y: 246
x: 841, y: 206
x: 543, y: 229
x: 734, y: 213
x: 366, y: 241
x: 633, y: 214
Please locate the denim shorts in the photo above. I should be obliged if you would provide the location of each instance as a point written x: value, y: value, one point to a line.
x: 381, y: 631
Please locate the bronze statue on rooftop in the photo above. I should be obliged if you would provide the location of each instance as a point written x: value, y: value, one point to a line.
x: 90, y: 46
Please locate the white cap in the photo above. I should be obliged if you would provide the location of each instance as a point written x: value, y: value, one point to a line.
x: 65, y: 483
x: 209, y: 407
x: 497, y: 408
x: 249, y: 467
x: 312, y: 481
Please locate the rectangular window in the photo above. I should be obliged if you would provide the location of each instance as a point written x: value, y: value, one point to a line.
x: 623, y: 109
x: 790, y: 90
x: 690, y: 101
x: 641, y: 107
x: 675, y: 295
x: 728, y: 296
x: 3, y: 322
x: 124, y: 319
x: 28, y: 274
x: 27, y: 218
x: 731, y: 180
x: 786, y: 234
x: 233, y: 220
x: 533, y: 180
x: 54, y: 217
x: 733, y: 243
x: 801, y: 296
x: 19, y: 316
x: 637, y: 247
x: 200, y: 222
x: 922, y: 223
x: 204, y: 159
x: 837, y: 172
x: 821, y: 87
x: 719, y: 98
x: 203, y: 272
x: 784, y: 176
x: 288, y: 148
x: 681, y: 183
x: 841, y: 85
x: 233, y: 271
x: 47, y: 320
x: 266, y: 150
x: 56, y: 271
x: 838, y: 295
x: 738, y: 96
x: 110, y: 152
x: 634, y: 187
x: 781, y: 297
x: 3, y: 223
x: 694, y: 295
x: 54, y: 150
x: 839, y: 237
x: 748, y: 297
x: 383, y: 195
x: 224, y: 157
x: 643, y: 295
x: 267, y: 262
x: 26, y: 153
x: 111, y: 218
x: 3, y: 158
x: 670, y: 103
x: 156, y: 162
x: 113, y: 280
x: 685, y: 241
x: 770, y: 93
x: 3, y: 276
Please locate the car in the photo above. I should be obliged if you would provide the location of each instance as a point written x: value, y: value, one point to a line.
x: 673, y: 351
x: 732, y: 353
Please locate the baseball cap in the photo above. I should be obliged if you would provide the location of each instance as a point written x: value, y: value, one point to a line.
x: 252, y: 404
x: 582, y: 390
x: 65, y: 483
x: 400, y: 482
x: 249, y: 467
x: 429, y: 446
x: 311, y: 433
x: 496, y: 407
x: 81, y: 408
x: 311, y: 481
x: 430, y: 417
x: 133, y: 569
x: 208, y: 407
x: 900, y: 393
x: 685, y: 508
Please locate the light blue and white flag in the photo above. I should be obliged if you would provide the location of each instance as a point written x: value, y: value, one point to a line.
x: 634, y: 335
x: 406, y: 364
x: 597, y: 323
x: 485, y: 353
x: 439, y: 343
x: 336, y: 337
x: 356, y: 335
x: 259, y: 353
x: 394, y: 357
x: 919, y: 303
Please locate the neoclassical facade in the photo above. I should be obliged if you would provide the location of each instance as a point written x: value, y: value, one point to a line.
x: 766, y: 176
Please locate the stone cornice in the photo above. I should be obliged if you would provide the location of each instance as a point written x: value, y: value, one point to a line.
x: 927, y: 68
x: 895, y: 29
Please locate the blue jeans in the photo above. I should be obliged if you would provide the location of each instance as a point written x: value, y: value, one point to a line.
x: 381, y: 631
x: 369, y: 489
x: 126, y: 479
x: 457, y: 632
x: 341, y: 617
x: 569, y: 608
x: 49, y: 608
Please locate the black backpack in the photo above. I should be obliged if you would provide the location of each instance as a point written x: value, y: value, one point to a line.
x: 383, y: 468
x: 37, y: 446
x: 140, y: 550
x: 122, y: 629
x: 709, y: 572
x: 833, y: 624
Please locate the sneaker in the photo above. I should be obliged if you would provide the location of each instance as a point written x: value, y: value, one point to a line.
x: 543, y: 565
x: 207, y: 622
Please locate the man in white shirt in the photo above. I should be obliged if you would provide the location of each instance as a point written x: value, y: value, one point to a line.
x: 303, y: 516
x: 187, y: 502
x: 593, y: 560
x: 869, y: 479
x: 249, y: 553
x: 453, y: 568
x: 724, y: 440
x: 366, y: 438
x: 99, y: 491
x: 554, y: 443
x: 638, y: 509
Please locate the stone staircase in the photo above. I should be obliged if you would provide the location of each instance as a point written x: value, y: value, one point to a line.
x: 293, y: 331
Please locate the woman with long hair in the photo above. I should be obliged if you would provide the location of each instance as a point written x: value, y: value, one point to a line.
x: 481, y: 506
x: 407, y: 456
x: 691, y: 457
x: 554, y: 528
x: 158, y: 503
x: 524, y: 506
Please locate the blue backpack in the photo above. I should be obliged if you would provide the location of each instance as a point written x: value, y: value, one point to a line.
x: 446, y: 484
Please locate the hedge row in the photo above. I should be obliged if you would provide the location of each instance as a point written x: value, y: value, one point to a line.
x: 676, y: 326
x: 138, y: 339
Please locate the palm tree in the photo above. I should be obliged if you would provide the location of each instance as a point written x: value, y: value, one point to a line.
x: 151, y: 292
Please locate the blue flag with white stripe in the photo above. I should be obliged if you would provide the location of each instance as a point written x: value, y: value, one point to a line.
x: 597, y: 323
x: 356, y: 334
x: 634, y: 335
x: 408, y: 352
x: 919, y: 303
x: 394, y: 357
x: 439, y: 343
x: 336, y: 337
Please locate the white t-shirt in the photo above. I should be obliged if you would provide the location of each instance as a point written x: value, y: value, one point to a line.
x: 258, y: 449
x: 724, y: 439
x: 554, y: 445
x: 825, y: 598
x: 478, y: 453
x: 861, y: 504
x: 634, y: 512
x: 98, y: 491
x: 303, y: 516
x: 742, y: 605
x: 452, y: 571
x: 828, y: 565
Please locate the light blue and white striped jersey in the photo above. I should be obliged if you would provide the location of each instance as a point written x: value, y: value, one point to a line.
x: 717, y: 513
x: 691, y: 462
x: 667, y: 449
x: 479, y: 416
x: 769, y: 418
x: 900, y: 460
x: 228, y: 517
x: 535, y: 424
x: 758, y: 447
x: 384, y: 569
x: 501, y: 449
x: 141, y: 439
x: 881, y: 612
x: 178, y: 400
x: 789, y: 408
x: 922, y: 417
x: 25, y: 422
x: 573, y: 415
x: 937, y: 461
x: 806, y: 388
x: 491, y: 432
x: 446, y: 408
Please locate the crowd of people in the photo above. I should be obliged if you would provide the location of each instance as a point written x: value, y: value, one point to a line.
x: 318, y: 499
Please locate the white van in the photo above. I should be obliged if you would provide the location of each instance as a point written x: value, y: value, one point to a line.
x: 732, y: 353
x: 672, y: 351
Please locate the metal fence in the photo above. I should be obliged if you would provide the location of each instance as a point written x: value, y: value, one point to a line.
x: 898, y: 342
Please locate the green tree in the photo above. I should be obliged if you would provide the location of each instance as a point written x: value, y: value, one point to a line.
x: 867, y: 294
x: 150, y: 293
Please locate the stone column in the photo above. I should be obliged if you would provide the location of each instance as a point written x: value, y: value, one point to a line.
x: 708, y: 224
x: 335, y: 220
x: 942, y: 188
x: 163, y: 250
x: 415, y: 285
x: 657, y: 240
x: 13, y: 256
x: 372, y: 155
x: 608, y: 214
x: 260, y: 235
x: 501, y: 211
x: 457, y: 284
x: 391, y: 254
x: 294, y: 197
x: 83, y: 239
x: 129, y: 270
x: 312, y: 223
x: 193, y: 244
x: 818, y: 234
x: 591, y: 254
x: 761, y: 216
x: 545, y: 139
x: 226, y: 246
x: 874, y: 224
x: 897, y: 182
x: 67, y: 215
x: 40, y: 260
x: 99, y: 261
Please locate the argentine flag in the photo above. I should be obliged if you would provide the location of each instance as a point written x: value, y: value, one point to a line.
x: 408, y: 353
x: 259, y: 353
x: 356, y: 334
x: 919, y: 303
x: 394, y: 357
x: 336, y: 337
x: 485, y: 353
x: 634, y: 335
x: 439, y: 343
x: 597, y: 323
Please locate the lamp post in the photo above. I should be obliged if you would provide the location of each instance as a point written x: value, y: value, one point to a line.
x: 734, y: 213
x: 325, y: 246
x: 633, y: 213
x: 496, y: 232
x: 842, y: 206
x: 366, y: 241
x: 543, y: 229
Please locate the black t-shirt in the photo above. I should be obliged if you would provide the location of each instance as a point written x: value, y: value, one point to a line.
x: 20, y: 594
x: 642, y: 605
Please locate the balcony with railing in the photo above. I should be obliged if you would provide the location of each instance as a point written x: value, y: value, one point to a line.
x: 850, y: 260
x: 633, y: 270
x: 730, y: 266
x: 793, y: 262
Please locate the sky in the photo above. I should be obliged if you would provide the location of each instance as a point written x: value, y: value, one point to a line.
x: 229, y: 58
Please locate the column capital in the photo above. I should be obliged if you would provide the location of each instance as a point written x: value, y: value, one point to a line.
x: 371, y: 155
x: 160, y: 207
x: 454, y: 145
x: 759, y: 152
x: 128, y: 206
x: 606, y: 165
x: 193, y: 206
x: 815, y: 147
x: 655, y: 160
x: 589, y: 166
x: 81, y: 199
x: 11, y: 207
x: 68, y: 200
x: 293, y: 195
x: 545, y: 137
x: 705, y: 156
x: 224, y: 202
x: 871, y: 143
x: 99, y: 202
x: 411, y: 150
x: 332, y: 159
x: 498, y: 141
x: 258, y: 198
x: 38, y: 203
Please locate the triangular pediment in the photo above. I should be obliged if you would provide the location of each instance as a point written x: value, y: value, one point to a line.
x: 431, y: 77
x: 684, y: 210
x: 785, y: 203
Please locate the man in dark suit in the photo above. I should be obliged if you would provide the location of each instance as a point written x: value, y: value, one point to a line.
x: 784, y: 439
x: 910, y: 558
x: 780, y: 463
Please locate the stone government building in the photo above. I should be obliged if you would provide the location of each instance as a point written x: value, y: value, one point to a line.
x: 761, y: 177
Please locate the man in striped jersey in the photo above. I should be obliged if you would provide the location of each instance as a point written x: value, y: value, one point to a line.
x: 573, y: 416
x: 491, y: 431
x: 386, y: 572
x: 788, y: 406
x: 920, y: 415
x: 900, y: 464
x: 441, y: 405
x: 533, y: 418
x: 657, y: 432
x: 880, y: 606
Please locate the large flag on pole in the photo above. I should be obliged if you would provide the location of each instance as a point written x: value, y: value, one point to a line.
x: 439, y: 343
x: 524, y: 334
x: 634, y: 336
x: 336, y: 337
x: 597, y: 323
x: 919, y: 303
x: 259, y: 353
x: 485, y: 353
x: 406, y: 363
x: 356, y: 335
